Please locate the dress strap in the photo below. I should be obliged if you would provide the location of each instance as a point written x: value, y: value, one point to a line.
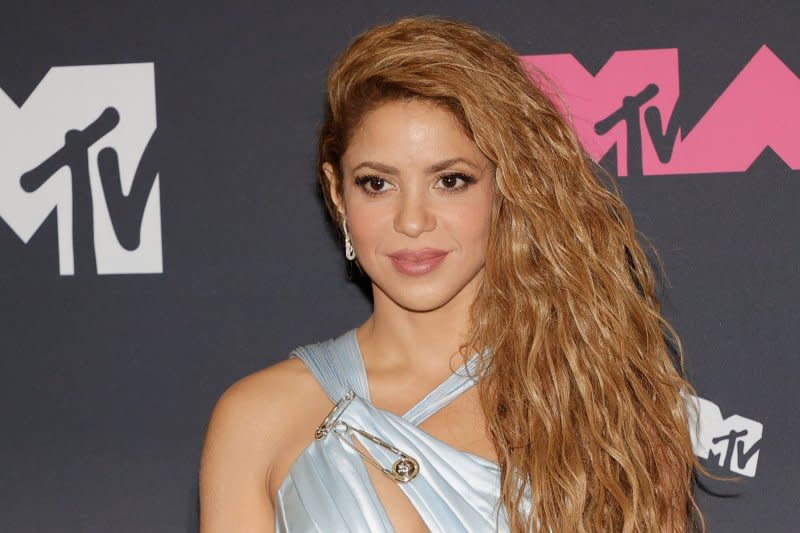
x: 447, y: 391
x: 337, y: 365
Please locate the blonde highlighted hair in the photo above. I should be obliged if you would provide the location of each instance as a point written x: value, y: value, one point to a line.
x: 581, y: 395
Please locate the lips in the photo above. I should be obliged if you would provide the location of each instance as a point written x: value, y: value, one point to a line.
x: 417, y: 262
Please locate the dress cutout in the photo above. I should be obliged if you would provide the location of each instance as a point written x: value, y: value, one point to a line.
x: 328, y: 487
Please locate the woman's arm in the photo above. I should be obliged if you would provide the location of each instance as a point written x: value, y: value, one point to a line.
x: 238, y: 452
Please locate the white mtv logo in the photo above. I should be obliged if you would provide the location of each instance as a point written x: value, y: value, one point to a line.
x: 733, y: 441
x: 80, y: 145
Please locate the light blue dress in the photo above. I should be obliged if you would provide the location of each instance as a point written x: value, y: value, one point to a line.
x: 328, y: 488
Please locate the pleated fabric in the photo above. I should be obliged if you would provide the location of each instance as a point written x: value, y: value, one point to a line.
x: 328, y: 488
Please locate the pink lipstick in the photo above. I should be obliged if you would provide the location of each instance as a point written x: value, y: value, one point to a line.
x: 417, y: 262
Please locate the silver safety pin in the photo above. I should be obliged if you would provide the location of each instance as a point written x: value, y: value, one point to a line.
x: 330, y: 421
x: 403, y: 469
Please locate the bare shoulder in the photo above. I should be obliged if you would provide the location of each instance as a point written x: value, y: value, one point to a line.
x: 264, y: 394
x: 259, y: 407
x: 251, y: 426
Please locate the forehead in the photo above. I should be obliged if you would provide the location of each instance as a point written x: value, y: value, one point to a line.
x: 408, y: 131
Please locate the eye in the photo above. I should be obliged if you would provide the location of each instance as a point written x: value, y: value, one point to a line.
x: 373, y: 184
x: 455, y: 181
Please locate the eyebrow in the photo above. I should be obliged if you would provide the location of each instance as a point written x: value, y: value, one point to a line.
x: 436, y: 167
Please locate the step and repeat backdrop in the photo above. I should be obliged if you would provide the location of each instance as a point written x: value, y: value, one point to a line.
x: 162, y: 235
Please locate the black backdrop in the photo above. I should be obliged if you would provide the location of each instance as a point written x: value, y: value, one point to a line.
x: 109, y: 368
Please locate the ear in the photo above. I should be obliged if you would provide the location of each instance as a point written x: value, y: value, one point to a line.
x: 331, y: 178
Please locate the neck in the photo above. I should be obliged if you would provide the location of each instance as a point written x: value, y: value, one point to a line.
x: 396, y: 338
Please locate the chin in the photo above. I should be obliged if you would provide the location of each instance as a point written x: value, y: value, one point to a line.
x: 420, y: 299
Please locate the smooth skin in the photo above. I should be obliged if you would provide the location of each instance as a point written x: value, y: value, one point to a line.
x: 412, y: 179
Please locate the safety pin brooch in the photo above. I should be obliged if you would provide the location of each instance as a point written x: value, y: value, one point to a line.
x: 403, y: 469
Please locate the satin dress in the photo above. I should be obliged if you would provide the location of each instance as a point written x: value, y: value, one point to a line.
x: 328, y: 488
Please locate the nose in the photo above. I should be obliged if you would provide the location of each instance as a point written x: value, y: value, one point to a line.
x: 414, y: 216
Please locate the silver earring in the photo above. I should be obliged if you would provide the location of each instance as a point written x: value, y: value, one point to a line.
x: 349, y: 251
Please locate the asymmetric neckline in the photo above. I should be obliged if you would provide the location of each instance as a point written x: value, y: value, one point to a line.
x: 328, y: 488
x: 361, y: 386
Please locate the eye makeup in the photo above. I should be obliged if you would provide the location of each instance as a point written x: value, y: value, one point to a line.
x: 452, y: 182
x: 453, y: 178
x: 371, y: 185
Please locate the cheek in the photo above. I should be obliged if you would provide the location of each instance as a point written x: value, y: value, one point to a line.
x: 366, y: 225
x: 472, y: 233
x: 470, y: 224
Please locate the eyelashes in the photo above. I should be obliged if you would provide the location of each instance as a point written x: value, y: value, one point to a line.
x: 372, y: 185
x: 452, y: 183
x: 453, y: 179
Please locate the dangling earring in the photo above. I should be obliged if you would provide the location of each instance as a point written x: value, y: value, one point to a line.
x: 349, y: 251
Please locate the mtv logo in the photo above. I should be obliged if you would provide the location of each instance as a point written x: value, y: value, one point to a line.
x: 629, y: 103
x: 734, y: 441
x: 80, y: 145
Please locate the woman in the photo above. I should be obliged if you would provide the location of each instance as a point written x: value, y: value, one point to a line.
x: 496, y: 259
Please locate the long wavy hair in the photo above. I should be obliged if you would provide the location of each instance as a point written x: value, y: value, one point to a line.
x: 582, y: 392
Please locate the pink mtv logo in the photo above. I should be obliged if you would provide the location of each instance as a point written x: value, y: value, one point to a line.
x: 629, y: 104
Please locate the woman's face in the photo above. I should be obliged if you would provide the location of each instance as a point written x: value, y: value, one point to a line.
x: 417, y: 197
